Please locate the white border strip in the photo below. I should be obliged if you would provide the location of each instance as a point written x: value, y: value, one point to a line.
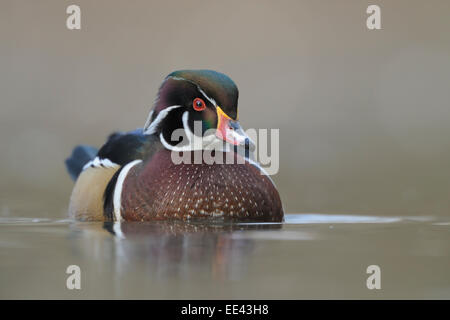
x: 118, y: 189
x: 97, y: 163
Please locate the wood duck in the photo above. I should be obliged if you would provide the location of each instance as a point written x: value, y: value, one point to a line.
x: 134, y: 177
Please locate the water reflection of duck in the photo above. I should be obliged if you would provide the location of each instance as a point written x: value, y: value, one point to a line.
x: 134, y: 177
x: 176, y: 228
x: 167, y: 249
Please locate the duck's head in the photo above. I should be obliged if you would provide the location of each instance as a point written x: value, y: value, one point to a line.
x: 196, y: 102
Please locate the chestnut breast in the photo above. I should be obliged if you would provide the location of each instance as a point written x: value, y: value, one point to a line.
x: 161, y: 190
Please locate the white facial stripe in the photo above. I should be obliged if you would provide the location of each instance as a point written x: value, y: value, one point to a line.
x: 117, y: 197
x: 173, y: 148
x: 188, y: 133
x: 99, y: 163
x: 149, y: 118
x: 161, y: 115
x: 199, y: 89
x: 206, y: 96
x: 178, y: 78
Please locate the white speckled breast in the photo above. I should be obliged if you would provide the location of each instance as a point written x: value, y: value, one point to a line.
x: 161, y: 190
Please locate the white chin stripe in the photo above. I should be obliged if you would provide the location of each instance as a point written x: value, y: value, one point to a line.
x: 117, y: 198
x: 100, y: 163
x: 194, y: 143
x: 155, y: 123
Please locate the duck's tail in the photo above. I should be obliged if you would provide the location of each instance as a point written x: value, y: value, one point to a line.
x: 81, y: 155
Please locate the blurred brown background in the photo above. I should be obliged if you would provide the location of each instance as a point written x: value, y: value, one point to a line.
x: 363, y: 115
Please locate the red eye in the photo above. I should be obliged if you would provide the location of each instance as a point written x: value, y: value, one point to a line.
x: 199, y: 104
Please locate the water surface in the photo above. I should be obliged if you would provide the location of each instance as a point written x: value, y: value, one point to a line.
x: 308, y: 256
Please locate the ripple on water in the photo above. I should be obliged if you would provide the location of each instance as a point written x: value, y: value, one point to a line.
x: 306, y: 218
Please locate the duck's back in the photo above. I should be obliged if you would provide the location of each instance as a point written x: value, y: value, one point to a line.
x: 94, y: 171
